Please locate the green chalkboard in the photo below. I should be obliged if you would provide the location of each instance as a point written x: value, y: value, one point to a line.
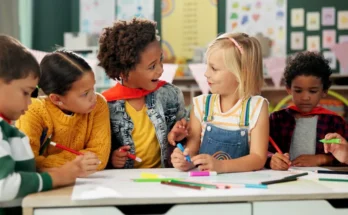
x: 315, y: 6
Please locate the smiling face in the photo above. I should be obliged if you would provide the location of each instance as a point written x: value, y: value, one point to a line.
x: 148, y: 71
x: 220, y: 79
x: 15, y: 96
x: 306, y: 92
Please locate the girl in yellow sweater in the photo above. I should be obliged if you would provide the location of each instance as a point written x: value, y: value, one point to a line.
x: 71, y: 114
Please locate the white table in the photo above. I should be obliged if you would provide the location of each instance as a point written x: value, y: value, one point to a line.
x: 305, y: 196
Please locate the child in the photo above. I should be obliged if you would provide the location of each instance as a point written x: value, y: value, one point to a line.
x: 340, y: 151
x: 72, y: 114
x: 143, y: 109
x: 298, y: 129
x: 19, y: 75
x: 229, y: 129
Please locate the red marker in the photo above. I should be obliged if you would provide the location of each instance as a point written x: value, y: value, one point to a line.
x: 275, y: 145
x: 65, y: 148
x: 131, y: 156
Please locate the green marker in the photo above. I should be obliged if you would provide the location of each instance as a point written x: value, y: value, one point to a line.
x: 154, y: 179
x: 331, y: 141
x: 333, y: 179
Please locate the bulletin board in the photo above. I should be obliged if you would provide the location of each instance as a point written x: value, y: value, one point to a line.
x: 315, y: 7
x: 330, y: 29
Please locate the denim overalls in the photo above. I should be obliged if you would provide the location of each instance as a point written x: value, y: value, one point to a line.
x: 225, y: 144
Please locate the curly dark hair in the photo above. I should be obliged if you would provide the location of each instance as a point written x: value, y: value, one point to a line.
x: 120, y: 46
x: 308, y: 64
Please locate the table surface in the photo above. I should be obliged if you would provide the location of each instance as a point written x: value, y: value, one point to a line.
x: 115, y: 187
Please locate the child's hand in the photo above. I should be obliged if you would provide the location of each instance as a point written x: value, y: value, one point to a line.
x: 67, y: 174
x: 179, y: 161
x: 280, y: 161
x: 206, y: 162
x: 178, y: 132
x: 119, y: 156
x: 340, y: 151
x: 310, y: 160
x: 89, y: 164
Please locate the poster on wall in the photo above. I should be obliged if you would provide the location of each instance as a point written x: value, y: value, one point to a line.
x: 96, y: 14
x: 127, y: 9
x: 255, y: 17
x: 187, y: 26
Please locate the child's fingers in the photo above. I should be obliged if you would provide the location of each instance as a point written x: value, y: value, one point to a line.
x: 186, y: 151
x: 284, y: 158
x: 199, y: 160
x: 183, y: 122
x: 171, y: 138
x: 327, y: 148
x: 278, y: 163
x: 332, y: 136
x: 204, y: 167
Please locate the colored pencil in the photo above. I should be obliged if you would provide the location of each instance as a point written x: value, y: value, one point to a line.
x: 332, y: 172
x: 195, y: 184
x: 278, y: 181
x: 275, y: 145
x: 65, y: 148
x: 333, y: 179
x: 182, y: 185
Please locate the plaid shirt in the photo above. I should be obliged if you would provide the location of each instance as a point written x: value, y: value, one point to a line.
x: 282, y: 126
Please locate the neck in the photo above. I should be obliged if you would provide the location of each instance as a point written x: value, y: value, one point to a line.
x: 228, y: 101
x: 5, y: 118
x: 124, y: 83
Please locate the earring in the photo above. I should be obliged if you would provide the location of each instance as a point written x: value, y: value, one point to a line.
x: 60, y: 103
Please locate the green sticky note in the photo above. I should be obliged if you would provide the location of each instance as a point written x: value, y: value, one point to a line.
x: 331, y: 141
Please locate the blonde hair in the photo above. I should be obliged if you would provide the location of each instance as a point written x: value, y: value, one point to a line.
x: 242, y: 57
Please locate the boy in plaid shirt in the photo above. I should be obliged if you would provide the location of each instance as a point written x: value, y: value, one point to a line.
x: 298, y: 129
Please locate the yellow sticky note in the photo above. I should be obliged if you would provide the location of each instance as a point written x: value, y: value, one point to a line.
x: 149, y: 175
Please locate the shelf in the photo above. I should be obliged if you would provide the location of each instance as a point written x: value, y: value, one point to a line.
x: 282, y: 88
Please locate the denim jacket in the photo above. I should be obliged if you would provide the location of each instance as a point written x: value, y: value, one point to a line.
x: 165, y: 107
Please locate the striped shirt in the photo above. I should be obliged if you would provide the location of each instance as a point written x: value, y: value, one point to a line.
x: 230, y: 119
x: 18, y: 176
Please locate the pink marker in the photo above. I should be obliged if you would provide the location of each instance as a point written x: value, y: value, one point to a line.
x: 201, y: 173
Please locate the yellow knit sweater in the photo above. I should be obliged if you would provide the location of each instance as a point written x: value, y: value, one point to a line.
x: 81, y: 132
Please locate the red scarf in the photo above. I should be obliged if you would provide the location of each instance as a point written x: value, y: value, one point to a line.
x: 315, y: 111
x: 6, y: 119
x: 120, y: 92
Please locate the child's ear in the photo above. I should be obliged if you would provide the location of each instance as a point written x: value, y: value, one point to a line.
x: 324, y: 94
x: 288, y: 90
x: 55, y: 99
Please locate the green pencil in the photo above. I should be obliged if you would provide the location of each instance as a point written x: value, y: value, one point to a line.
x: 333, y: 179
x: 154, y: 179
x: 195, y: 184
x: 331, y: 141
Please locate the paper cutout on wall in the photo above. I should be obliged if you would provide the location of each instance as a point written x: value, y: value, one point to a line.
x: 340, y: 50
x: 275, y: 67
x: 313, y: 43
x: 329, y: 38
x: 169, y: 72
x: 38, y: 54
x: 297, y: 40
x: 331, y: 58
x: 198, y: 71
x: 313, y: 21
x: 328, y: 16
x: 297, y: 17
x: 342, y: 20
